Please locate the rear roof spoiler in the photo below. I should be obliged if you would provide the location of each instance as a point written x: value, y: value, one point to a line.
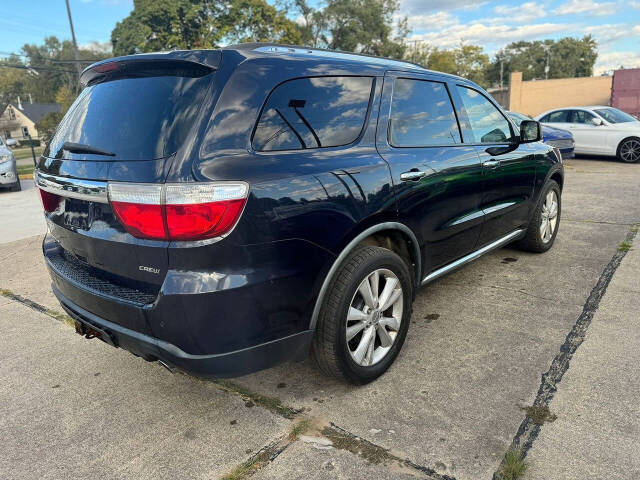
x: 196, y: 62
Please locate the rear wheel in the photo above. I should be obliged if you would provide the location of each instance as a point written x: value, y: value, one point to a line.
x: 365, y: 316
x: 544, y: 224
x: 629, y: 150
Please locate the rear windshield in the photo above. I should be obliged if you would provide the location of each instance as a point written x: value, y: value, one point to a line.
x: 133, y: 118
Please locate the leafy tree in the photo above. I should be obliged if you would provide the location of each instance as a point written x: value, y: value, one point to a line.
x: 362, y: 26
x: 567, y: 57
x: 257, y: 21
x: 186, y: 24
x: 468, y: 61
x: 168, y: 24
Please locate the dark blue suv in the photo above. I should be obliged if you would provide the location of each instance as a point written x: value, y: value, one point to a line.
x: 222, y: 211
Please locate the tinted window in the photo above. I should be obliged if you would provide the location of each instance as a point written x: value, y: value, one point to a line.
x: 486, y: 122
x: 135, y: 118
x: 422, y: 114
x: 613, y: 115
x: 313, y: 113
x: 561, y: 116
x: 580, y: 116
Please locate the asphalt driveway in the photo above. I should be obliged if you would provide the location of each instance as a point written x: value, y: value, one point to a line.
x: 479, y: 342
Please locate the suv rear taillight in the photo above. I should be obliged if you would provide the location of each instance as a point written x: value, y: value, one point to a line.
x: 50, y: 201
x: 192, y: 211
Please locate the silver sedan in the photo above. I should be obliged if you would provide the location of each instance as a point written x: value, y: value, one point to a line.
x: 8, y: 169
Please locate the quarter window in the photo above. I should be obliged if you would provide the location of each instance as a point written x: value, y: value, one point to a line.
x: 486, y: 123
x: 422, y: 114
x: 313, y: 112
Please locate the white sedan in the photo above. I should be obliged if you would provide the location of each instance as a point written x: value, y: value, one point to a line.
x: 598, y: 130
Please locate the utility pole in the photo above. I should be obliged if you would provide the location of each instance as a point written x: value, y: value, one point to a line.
x: 547, y: 50
x: 75, y: 45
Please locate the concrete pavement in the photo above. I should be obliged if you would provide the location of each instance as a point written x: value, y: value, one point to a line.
x: 449, y: 408
x: 597, y: 432
x: 21, y: 213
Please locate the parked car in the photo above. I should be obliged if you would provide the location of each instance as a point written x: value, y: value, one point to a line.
x: 8, y: 169
x: 598, y: 130
x: 556, y: 137
x: 11, y: 142
x: 223, y: 211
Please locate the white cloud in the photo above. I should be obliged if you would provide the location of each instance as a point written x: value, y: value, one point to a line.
x: 480, y: 33
x: 591, y: 7
x: 97, y: 47
x: 422, y: 6
x: 635, y: 4
x: 520, y: 13
x: 432, y: 21
x: 614, y: 60
x: 610, y: 32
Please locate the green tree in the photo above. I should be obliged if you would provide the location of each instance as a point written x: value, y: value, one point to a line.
x: 257, y: 21
x: 155, y: 25
x: 468, y: 61
x: 566, y: 58
x: 362, y: 26
x: 187, y: 24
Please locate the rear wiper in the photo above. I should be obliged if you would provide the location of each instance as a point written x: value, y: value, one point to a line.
x: 80, y: 148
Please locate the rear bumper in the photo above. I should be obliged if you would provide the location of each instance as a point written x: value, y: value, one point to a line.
x: 208, y: 323
x: 230, y: 364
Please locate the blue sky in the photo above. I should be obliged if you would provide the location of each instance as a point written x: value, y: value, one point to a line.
x: 614, y: 23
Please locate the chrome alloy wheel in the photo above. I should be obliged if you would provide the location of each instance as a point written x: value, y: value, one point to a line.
x: 630, y: 151
x: 374, y: 318
x: 549, y: 216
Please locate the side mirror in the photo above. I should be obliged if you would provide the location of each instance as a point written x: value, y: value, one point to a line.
x: 530, y: 131
x: 596, y: 121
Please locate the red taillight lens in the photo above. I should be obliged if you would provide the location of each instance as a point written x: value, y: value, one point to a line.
x: 140, y: 220
x: 50, y: 201
x: 178, y: 211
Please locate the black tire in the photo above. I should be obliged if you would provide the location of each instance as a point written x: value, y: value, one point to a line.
x: 629, y: 157
x: 329, y: 348
x: 532, y: 241
x: 17, y: 187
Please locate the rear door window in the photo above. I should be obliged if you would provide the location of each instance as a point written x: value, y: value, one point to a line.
x: 561, y: 116
x: 314, y: 112
x: 481, y: 120
x: 580, y: 116
x: 422, y: 114
x: 142, y: 118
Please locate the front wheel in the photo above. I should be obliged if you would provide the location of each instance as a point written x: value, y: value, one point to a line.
x: 545, y: 221
x: 365, y: 316
x: 629, y: 150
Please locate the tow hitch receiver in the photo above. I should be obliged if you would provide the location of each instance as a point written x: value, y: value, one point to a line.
x: 89, y: 332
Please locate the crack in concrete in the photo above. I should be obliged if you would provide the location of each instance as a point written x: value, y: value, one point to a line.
x: 61, y: 317
x: 375, y: 454
x: 601, y: 222
x: 529, y: 430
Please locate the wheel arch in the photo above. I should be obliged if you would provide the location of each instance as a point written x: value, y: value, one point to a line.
x: 378, y: 234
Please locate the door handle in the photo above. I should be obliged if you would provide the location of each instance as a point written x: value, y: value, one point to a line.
x: 412, y: 175
x: 491, y: 164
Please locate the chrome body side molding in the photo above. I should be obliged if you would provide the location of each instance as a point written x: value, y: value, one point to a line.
x: 472, y: 256
x: 89, y: 190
